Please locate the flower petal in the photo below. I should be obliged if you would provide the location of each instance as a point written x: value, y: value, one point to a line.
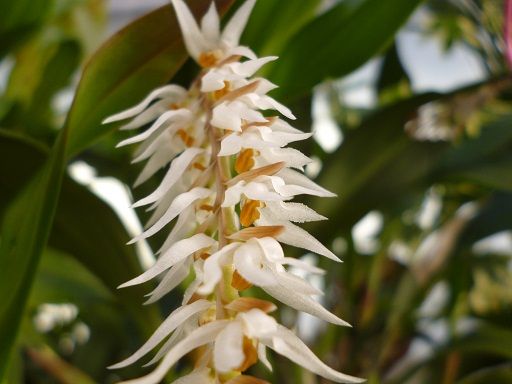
x: 147, y: 116
x: 159, y: 93
x: 234, y: 28
x: 253, y: 191
x: 201, y: 336
x: 168, y: 117
x: 241, y: 51
x: 228, y: 352
x: 178, y: 205
x: 296, y: 212
x: 210, y: 24
x: 192, y: 36
x: 171, y: 280
x: 250, y: 67
x: 266, y: 102
x: 176, y: 170
x: 262, y: 356
x: 176, y: 317
x: 298, y: 180
x: 173, y: 255
x: 271, y: 249
x: 257, y: 324
x: 229, y: 115
x: 184, y: 225
x: 297, y: 263
x: 157, y: 162
x: 213, y: 80
x: 249, y: 263
x: 294, y: 283
x: 296, y: 236
x: 286, y: 343
x: 303, y: 303
x: 213, y: 268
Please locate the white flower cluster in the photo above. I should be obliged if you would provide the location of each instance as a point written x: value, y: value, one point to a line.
x: 228, y: 184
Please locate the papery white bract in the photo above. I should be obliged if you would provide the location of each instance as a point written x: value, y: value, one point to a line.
x: 228, y: 228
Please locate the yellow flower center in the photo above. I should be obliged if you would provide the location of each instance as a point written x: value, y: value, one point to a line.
x: 239, y: 283
x: 249, y: 212
x: 245, y: 160
x: 185, y: 137
x: 208, y: 59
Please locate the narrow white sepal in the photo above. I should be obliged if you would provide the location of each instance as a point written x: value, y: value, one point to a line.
x: 297, y: 237
x: 159, y: 93
x: 176, y: 317
x: 210, y: 24
x: 287, y: 211
x: 173, y: 255
x: 234, y: 28
x: 166, y: 118
x: 262, y: 356
x: 171, y: 280
x: 286, y: 343
x: 176, y: 170
x: 201, y: 336
x: 303, y: 303
x: 177, y: 206
x: 194, y: 39
x: 292, y: 177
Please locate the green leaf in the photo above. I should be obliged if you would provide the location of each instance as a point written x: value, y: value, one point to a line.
x: 498, y: 374
x: 84, y: 227
x: 12, y: 180
x: 62, y: 278
x: 495, y: 216
x: 142, y: 56
x: 43, y: 67
x: 24, y: 232
x: 88, y: 229
x: 338, y: 42
x: 19, y: 19
x: 274, y: 22
x: 484, y: 159
x: 393, y: 82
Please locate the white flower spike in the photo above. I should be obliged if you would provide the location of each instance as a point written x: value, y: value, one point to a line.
x: 228, y: 183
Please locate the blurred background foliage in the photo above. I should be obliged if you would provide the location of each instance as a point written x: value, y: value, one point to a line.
x: 423, y: 172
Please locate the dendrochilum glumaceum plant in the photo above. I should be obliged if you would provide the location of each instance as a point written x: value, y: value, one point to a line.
x: 228, y: 185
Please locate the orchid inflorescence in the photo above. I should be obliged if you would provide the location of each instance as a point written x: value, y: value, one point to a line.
x: 228, y: 185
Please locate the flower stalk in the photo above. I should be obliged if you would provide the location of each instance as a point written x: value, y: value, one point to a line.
x: 227, y: 188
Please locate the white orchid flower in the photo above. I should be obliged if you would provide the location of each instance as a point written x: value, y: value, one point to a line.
x: 143, y: 113
x: 235, y: 74
x: 206, y: 43
x: 236, y: 344
x: 224, y: 206
x: 261, y: 262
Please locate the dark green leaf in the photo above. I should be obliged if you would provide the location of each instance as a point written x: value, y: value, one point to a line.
x: 25, y: 230
x: 499, y: 374
x: 338, y: 42
x: 19, y: 19
x: 62, y: 279
x: 393, y: 82
x: 84, y: 227
x: 274, y: 22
